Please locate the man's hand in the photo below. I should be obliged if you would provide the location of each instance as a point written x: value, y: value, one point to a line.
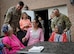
x: 65, y: 30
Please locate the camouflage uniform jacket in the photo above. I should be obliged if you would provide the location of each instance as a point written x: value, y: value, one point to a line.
x: 62, y: 20
x: 12, y: 16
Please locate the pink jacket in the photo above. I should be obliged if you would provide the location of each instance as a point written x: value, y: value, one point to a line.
x: 25, y: 24
x: 14, y: 43
x: 32, y: 39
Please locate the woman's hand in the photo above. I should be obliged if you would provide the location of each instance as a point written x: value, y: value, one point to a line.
x: 8, y: 46
x: 24, y: 39
x: 26, y: 26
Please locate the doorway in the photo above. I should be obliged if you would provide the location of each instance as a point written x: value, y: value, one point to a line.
x: 44, y: 15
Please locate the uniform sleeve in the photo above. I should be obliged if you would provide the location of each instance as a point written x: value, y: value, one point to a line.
x: 52, y: 25
x: 67, y: 22
x: 8, y: 16
x: 41, y: 36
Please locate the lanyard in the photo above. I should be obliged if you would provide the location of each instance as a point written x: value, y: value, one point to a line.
x: 58, y: 38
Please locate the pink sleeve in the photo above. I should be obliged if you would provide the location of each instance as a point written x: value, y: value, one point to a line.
x: 19, y: 41
x: 28, y: 34
x: 41, y: 35
x: 6, y: 40
x: 20, y: 22
x: 22, y: 45
x: 21, y: 25
x: 29, y: 22
x: 30, y: 25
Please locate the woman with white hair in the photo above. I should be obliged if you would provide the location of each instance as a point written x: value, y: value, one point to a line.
x: 11, y: 42
x: 58, y: 35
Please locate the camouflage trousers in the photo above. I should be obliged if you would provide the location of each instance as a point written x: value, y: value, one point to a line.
x: 15, y: 27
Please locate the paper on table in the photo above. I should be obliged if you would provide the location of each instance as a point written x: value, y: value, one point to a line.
x: 36, y: 49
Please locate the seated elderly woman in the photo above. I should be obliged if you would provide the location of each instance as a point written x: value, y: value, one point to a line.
x: 58, y: 35
x: 11, y: 42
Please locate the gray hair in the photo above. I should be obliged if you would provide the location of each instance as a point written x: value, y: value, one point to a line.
x: 6, y: 28
x: 60, y: 29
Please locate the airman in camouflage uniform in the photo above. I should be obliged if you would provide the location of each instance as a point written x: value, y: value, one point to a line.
x: 13, y: 16
x: 62, y: 20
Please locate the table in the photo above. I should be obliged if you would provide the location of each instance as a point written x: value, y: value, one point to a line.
x: 52, y: 48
